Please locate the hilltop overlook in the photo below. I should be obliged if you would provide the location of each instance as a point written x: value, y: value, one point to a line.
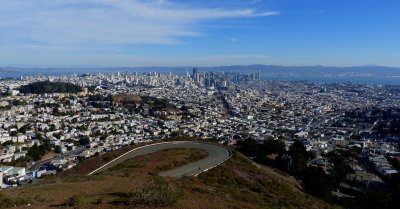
x: 237, y: 183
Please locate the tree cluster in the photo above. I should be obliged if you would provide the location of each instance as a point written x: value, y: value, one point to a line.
x: 295, y: 162
x: 50, y: 87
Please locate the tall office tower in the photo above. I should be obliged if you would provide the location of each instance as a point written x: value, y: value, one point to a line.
x: 197, y: 78
x: 194, y: 71
x: 224, y: 83
x: 119, y: 74
x: 213, y: 83
x: 127, y: 79
x: 178, y: 82
x: 207, y: 83
x: 258, y: 75
x: 196, y: 75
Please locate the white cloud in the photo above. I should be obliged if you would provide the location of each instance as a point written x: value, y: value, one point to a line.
x: 201, y: 61
x: 255, y: 1
x: 234, y: 40
x: 88, y: 23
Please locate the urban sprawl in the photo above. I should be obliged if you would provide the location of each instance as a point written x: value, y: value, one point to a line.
x: 120, y: 109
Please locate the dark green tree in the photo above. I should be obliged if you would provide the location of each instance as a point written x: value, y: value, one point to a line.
x: 249, y: 147
x: 13, y: 133
x: 84, y: 140
x: 57, y: 149
x: 7, y: 143
x: 298, y: 158
x: 340, y: 163
x: 274, y: 147
x: 317, y: 183
x: 49, y: 87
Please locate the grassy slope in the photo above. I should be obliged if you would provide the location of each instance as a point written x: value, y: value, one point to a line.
x: 237, y: 183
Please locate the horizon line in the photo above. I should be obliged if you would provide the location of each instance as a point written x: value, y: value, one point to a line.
x: 183, y: 66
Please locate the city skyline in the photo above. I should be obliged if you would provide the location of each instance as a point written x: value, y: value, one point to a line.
x: 199, y: 33
x: 96, y: 133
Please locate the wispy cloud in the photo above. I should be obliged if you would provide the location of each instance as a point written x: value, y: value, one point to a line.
x: 123, y: 60
x: 255, y: 1
x: 105, y: 22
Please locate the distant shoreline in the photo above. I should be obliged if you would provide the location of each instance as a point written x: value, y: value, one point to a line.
x: 337, y: 79
x: 365, y: 78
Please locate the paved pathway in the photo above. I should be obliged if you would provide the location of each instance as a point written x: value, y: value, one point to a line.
x: 217, y: 155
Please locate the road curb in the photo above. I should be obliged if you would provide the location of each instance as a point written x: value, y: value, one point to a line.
x: 160, y: 143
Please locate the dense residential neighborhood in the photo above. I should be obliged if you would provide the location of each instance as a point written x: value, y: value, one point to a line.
x: 45, y: 133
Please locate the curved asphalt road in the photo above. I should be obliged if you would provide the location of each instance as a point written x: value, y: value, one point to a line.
x: 216, y: 156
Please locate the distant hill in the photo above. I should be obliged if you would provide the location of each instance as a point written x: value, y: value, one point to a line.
x: 312, y: 70
x: 8, y: 69
x: 50, y: 87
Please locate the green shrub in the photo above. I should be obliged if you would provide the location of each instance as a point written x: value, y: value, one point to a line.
x: 99, y: 201
x: 154, y: 193
x: 77, y: 201
x: 7, y: 202
x: 23, y: 201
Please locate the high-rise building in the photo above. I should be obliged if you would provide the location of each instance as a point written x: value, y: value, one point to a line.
x: 253, y: 76
x: 178, y: 82
x: 224, y: 83
x: 196, y: 75
x: 258, y: 75
x: 207, y: 83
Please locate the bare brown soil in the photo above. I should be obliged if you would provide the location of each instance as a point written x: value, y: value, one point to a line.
x: 48, y: 155
x: 119, y: 98
x: 88, y: 165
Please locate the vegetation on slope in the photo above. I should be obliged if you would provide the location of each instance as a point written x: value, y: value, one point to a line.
x: 195, y: 155
x: 7, y: 202
x: 259, y: 187
x: 315, y: 180
x: 50, y: 87
x: 237, y: 183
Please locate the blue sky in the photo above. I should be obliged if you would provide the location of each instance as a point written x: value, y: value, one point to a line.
x: 199, y: 32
